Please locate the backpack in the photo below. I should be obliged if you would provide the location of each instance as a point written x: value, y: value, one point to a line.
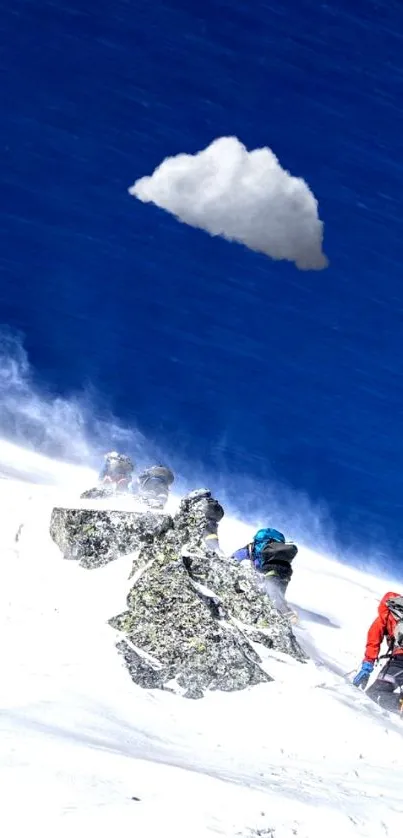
x: 395, y: 605
x: 158, y: 474
x: 261, y: 541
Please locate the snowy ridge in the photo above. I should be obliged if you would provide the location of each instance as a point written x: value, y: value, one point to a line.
x: 82, y: 748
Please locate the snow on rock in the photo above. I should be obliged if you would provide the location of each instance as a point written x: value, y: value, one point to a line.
x: 192, y: 614
x: 243, y: 196
x: 85, y: 751
x: 98, y: 536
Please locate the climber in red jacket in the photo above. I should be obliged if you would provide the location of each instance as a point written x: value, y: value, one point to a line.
x: 387, y: 626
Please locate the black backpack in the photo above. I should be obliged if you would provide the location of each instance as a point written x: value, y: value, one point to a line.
x: 395, y: 605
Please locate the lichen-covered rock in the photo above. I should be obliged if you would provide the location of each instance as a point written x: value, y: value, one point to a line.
x: 192, y: 615
x: 95, y: 537
x: 238, y: 594
x: 167, y: 620
x: 193, y: 618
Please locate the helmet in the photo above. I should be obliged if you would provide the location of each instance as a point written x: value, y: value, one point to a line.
x: 112, y: 455
x: 116, y: 462
x: 203, y: 501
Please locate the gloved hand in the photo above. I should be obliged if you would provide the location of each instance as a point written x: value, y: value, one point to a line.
x: 362, y: 677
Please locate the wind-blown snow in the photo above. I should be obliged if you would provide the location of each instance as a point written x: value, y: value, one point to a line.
x: 74, y: 429
x: 84, y: 751
x: 244, y: 196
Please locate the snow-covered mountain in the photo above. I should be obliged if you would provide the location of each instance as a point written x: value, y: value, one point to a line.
x: 85, y: 751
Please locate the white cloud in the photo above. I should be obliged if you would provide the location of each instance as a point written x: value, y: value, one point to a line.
x: 243, y: 196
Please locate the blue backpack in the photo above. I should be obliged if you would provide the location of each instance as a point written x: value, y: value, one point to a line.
x: 261, y: 540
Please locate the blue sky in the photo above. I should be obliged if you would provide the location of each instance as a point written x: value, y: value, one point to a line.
x: 217, y: 354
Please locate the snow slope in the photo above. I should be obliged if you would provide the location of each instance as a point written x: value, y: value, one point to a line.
x: 83, y: 750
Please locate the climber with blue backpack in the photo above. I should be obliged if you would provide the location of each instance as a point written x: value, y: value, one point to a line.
x: 271, y: 555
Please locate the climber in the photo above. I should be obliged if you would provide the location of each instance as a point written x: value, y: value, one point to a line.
x: 387, y: 626
x: 214, y: 513
x: 117, y: 472
x: 114, y: 478
x: 271, y: 555
x: 205, y: 512
x: 153, y: 484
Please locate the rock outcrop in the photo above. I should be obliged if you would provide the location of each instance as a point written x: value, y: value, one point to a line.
x: 95, y: 537
x: 193, y: 616
x: 195, y: 620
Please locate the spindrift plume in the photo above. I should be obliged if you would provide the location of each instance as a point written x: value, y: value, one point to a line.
x: 243, y: 196
x: 76, y: 428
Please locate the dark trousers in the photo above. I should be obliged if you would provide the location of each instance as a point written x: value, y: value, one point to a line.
x: 389, y: 679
